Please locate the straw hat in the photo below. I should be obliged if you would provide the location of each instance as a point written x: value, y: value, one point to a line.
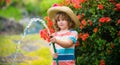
x: 53, y: 10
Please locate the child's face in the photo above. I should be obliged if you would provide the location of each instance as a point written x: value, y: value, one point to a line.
x: 63, y: 24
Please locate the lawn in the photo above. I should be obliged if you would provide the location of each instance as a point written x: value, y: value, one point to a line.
x: 32, y: 51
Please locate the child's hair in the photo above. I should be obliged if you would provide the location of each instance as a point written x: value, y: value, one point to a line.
x: 63, y: 16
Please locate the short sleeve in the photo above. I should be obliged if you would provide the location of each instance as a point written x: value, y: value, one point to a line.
x: 73, y: 36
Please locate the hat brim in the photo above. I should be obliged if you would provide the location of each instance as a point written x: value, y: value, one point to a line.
x: 53, y: 10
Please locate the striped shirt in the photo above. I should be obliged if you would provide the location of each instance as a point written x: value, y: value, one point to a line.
x: 66, y: 55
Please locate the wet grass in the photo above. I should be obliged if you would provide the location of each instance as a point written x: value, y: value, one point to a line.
x: 41, y: 56
x: 7, y: 47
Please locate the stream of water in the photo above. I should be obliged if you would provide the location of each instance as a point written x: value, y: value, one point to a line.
x: 32, y: 20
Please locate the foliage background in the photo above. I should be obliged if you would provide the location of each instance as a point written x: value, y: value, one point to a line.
x: 18, y: 9
x: 99, y: 31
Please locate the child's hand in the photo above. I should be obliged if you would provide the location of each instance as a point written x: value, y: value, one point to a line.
x: 52, y: 39
x: 55, y: 55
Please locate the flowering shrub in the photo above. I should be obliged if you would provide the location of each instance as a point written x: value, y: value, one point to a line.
x: 99, y: 31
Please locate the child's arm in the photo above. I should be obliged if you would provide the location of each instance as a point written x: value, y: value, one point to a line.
x: 65, y: 44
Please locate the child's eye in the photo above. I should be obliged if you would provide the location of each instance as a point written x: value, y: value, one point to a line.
x: 63, y: 19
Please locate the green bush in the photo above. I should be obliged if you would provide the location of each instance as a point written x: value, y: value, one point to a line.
x: 10, y: 9
x: 11, y: 12
x: 99, y: 32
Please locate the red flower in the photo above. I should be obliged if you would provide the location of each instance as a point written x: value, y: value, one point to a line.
x: 67, y: 2
x: 83, y: 14
x: 76, y: 3
x: 84, y: 36
x: 51, y: 30
x: 81, y: 26
x: 100, y: 6
x: 112, y: 1
x: 107, y: 19
x: 77, y: 43
x: 80, y: 35
x: 82, y: 1
x: 78, y: 16
x: 102, y: 62
x: 104, y: 19
x: 44, y: 34
x: 54, y: 5
x: 49, y: 24
x: 117, y: 7
x: 83, y: 22
x: 90, y: 22
x: 77, y: 6
x: 95, y: 30
x: 118, y: 22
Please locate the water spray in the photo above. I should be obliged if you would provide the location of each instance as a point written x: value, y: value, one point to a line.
x: 24, y: 34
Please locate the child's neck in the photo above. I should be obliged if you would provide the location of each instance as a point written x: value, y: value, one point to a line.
x: 64, y: 30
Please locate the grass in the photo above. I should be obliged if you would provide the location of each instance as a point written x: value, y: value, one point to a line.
x: 5, y: 45
x: 40, y: 56
x: 44, y: 57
